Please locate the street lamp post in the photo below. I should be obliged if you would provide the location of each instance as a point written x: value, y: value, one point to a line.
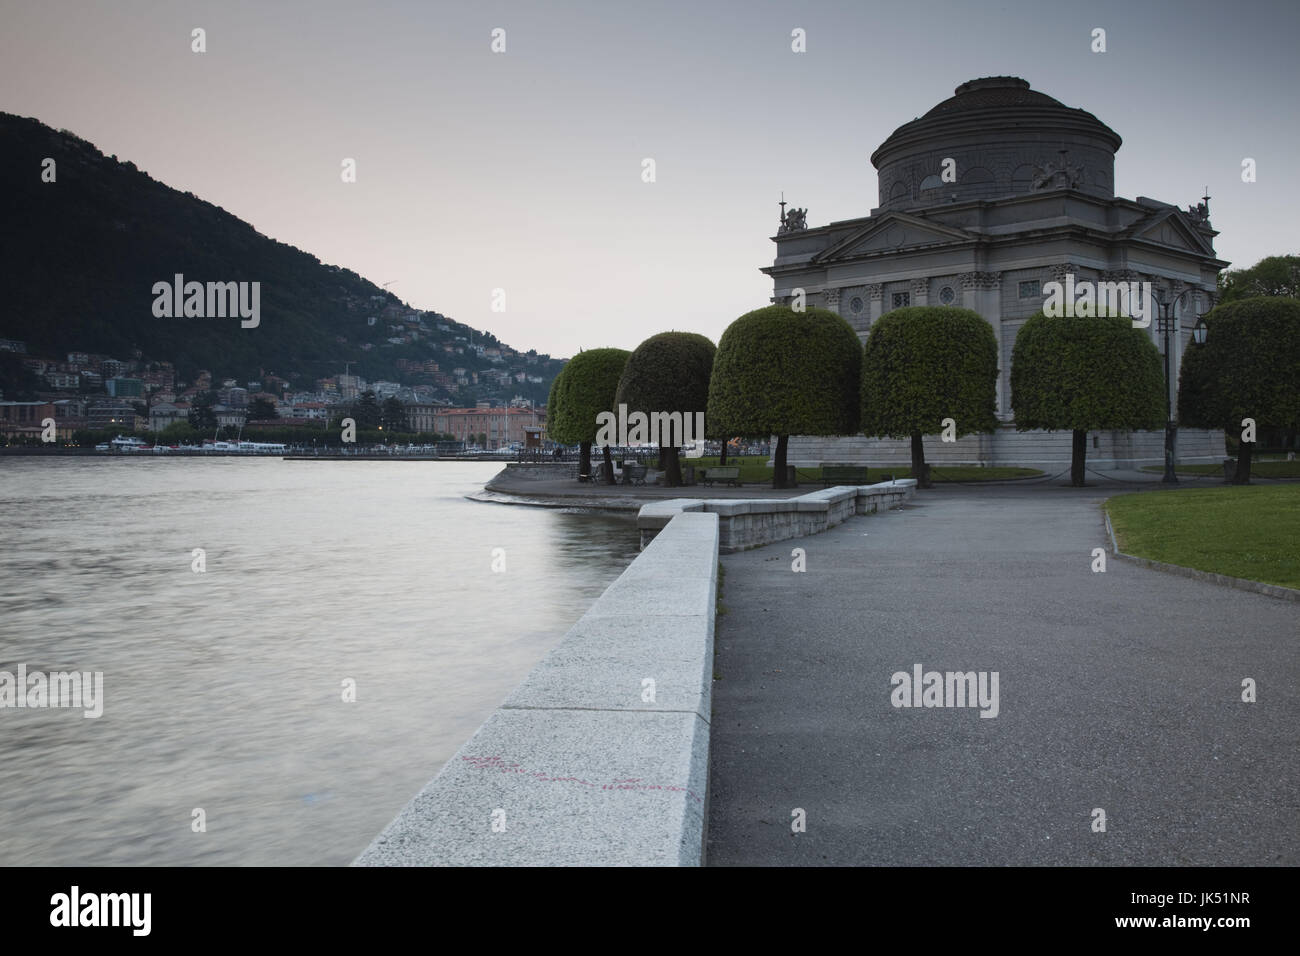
x: 1165, y: 325
x: 1199, y: 331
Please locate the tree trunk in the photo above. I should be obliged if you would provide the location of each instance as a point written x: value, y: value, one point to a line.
x: 1244, y: 449
x: 671, y: 463
x: 722, y: 458
x: 609, y: 467
x: 584, y: 458
x: 918, y: 462
x: 778, y: 462
x: 1077, y: 457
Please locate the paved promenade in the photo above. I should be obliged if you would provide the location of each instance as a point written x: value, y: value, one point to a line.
x: 1119, y: 691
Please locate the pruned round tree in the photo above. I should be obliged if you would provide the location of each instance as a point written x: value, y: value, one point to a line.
x: 1248, y: 369
x: 781, y: 372
x: 666, y: 379
x: 584, y: 389
x: 1083, y: 374
x: 929, y: 370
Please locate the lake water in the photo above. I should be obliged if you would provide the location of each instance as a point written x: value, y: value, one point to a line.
x: 223, y: 690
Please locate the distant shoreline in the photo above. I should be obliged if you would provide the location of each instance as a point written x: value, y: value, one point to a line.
x: 19, y: 451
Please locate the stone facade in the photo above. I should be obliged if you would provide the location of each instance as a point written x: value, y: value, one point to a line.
x: 1031, y: 199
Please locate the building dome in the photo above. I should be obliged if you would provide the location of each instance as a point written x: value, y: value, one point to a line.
x: 992, y: 92
x: 1003, y: 139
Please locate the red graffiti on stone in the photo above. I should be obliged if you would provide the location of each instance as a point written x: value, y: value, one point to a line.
x: 501, y: 765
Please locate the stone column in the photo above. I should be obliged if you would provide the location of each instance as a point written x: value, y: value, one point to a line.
x: 982, y: 292
x: 969, y: 287
x: 831, y: 299
x: 920, y: 292
x: 991, y: 293
x: 875, y: 293
x: 1121, y: 275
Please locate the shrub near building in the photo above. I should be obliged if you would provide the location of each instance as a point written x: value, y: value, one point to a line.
x: 922, y: 365
x: 1085, y: 374
x: 781, y: 372
x: 1248, y: 368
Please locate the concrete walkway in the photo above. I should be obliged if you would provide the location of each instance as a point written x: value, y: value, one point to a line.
x: 1120, y: 691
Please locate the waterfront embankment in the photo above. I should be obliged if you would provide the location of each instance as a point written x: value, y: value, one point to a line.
x: 601, y: 756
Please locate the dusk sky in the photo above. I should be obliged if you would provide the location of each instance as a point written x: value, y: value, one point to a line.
x: 522, y: 170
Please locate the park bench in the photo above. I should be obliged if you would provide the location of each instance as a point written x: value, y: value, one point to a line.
x: 728, y: 473
x: 633, y: 474
x: 844, y: 475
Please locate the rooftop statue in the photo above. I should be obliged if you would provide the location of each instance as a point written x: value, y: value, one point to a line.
x: 793, y: 221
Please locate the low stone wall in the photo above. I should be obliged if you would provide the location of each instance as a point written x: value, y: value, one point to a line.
x: 745, y: 524
x: 539, y: 469
x: 601, y: 756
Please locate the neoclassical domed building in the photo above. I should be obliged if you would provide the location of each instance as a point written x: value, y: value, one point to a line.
x: 993, y: 193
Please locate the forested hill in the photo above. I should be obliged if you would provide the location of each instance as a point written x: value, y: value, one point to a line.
x: 80, y: 255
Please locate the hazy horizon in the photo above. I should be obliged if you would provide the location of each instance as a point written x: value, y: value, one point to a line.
x: 522, y: 170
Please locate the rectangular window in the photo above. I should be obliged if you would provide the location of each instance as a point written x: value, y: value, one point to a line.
x: 1030, y: 289
x: 902, y: 299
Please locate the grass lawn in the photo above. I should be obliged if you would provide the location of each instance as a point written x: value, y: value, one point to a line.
x: 1264, y: 469
x: 754, y: 470
x: 1244, y: 531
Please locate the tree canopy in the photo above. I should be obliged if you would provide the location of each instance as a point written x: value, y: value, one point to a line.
x: 587, y: 386
x: 669, y: 373
x: 365, y: 411
x: 924, y: 364
x: 1271, y: 276
x: 201, y: 415
x: 1249, y: 367
x: 392, y: 415
x: 262, y: 409
x: 1085, y: 374
x: 781, y: 372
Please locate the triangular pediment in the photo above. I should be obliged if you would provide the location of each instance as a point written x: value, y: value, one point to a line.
x: 1170, y: 227
x: 893, y: 232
